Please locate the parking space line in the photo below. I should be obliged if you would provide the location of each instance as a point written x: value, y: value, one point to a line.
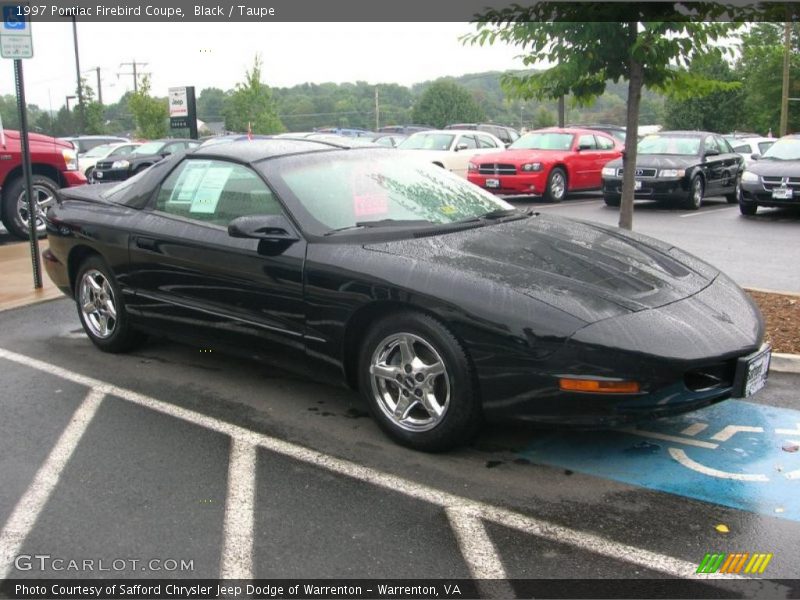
x: 596, y: 544
x: 237, y: 546
x: 479, y: 552
x: 30, y: 505
x: 705, y: 212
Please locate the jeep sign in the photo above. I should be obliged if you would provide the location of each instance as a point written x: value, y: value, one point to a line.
x: 178, y: 102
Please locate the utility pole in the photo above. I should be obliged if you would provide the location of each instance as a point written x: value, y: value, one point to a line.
x: 377, y: 111
x: 133, y: 64
x: 787, y: 47
x: 561, y: 111
x: 81, y: 110
x: 99, y: 84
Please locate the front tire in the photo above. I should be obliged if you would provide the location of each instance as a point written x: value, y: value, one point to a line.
x: 556, y: 189
x: 101, y: 308
x: 15, y: 205
x: 612, y: 200
x: 696, y: 191
x: 419, y: 383
x: 748, y: 209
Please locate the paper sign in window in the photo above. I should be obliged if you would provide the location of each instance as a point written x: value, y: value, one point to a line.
x: 369, y: 196
x: 188, y: 182
x: 206, y: 197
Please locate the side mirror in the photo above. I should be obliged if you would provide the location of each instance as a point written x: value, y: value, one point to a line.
x: 271, y: 228
x: 165, y: 154
x: 755, y: 156
x: 461, y: 147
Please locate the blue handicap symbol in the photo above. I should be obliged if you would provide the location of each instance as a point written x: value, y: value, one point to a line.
x: 734, y: 453
x: 12, y: 19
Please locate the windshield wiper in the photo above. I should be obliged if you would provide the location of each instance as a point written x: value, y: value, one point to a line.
x: 380, y: 223
x: 496, y: 215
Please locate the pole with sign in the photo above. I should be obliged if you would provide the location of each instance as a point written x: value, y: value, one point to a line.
x: 16, y: 43
x: 183, y: 109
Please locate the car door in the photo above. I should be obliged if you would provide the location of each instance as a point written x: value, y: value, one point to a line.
x: 585, y: 171
x: 732, y: 165
x: 713, y: 166
x: 192, y: 280
x: 606, y: 152
x: 464, y: 148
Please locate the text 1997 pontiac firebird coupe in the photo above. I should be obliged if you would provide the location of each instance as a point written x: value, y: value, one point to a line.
x: 440, y: 303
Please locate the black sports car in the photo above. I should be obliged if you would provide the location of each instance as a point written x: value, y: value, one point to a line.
x: 679, y: 167
x: 147, y: 154
x: 774, y: 179
x: 438, y: 301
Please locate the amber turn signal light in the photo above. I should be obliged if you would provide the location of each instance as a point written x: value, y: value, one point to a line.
x: 598, y: 386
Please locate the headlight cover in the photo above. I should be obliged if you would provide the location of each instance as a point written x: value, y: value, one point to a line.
x: 70, y: 158
x: 473, y: 167
x: 609, y: 171
x: 528, y: 167
x: 750, y: 177
x: 120, y: 164
x: 672, y: 172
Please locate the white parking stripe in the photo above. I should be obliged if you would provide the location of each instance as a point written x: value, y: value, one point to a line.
x: 237, y: 545
x: 704, y: 212
x: 588, y: 541
x: 27, y: 510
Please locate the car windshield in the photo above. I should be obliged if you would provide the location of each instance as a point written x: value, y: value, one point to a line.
x: 99, y: 151
x: 680, y: 145
x: 428, y: 141
x: 149, y: 148
x: 785, y: 149
x: 543, y: 141
x: 357, y: 188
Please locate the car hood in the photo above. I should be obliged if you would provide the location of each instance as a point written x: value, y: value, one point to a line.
x: 518, y: 157
x: 589, y: 271
x: 659, y: 161
x: 775, y: 168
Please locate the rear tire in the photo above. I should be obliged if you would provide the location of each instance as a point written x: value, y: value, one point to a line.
x: 15, y: 205
x: 612, y: 200
x: 419, y: 384
x: 101, y: 308
x: 556, y: 189
x: 736, y: 195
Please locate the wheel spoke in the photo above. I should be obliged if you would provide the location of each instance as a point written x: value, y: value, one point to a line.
x: 88, y: 307
x: 403, y: 407
x: 385, y: 371
x: 432, y: 405
x: 102, y: 323
x: 406, y: 346
x: 434, y: 369
x: 94, y: 285
x: 112, y: 310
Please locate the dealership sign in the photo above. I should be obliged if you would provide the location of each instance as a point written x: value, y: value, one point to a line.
x: 182, y: 113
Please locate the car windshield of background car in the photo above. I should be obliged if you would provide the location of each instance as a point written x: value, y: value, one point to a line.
x: 149, y: 148
x: 543, y: 141
x: 428, y: 141
x: 342, y: 192
x: 788, y: 149
x: 99, y: 151
x: 677, y: 145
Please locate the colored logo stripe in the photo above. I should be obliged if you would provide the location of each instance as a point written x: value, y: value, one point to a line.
x: 733, y: 563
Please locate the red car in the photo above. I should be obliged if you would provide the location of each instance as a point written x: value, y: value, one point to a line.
x: 547, y: 162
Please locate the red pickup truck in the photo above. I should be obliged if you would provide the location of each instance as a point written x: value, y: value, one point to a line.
x: 54, y: 164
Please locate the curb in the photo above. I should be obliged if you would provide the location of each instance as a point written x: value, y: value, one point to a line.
x: 778, y: 292
x: 785, y: 363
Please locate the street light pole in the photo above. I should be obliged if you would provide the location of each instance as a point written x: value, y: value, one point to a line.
x: 81, y: 114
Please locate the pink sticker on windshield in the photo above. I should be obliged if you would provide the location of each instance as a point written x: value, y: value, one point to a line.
x: 369, y: 196
x: 370, y: 204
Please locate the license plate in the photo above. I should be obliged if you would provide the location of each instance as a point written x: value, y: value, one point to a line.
x: 782, y: 193
x: 98, y: 174
x: 752, y: 372
x: 492, y: 183
x: 637, y: 185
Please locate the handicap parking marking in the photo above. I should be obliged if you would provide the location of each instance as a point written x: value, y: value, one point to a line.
x: 735, y: 453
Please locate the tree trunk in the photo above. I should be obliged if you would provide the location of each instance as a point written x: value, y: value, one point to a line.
x: 631, y: 140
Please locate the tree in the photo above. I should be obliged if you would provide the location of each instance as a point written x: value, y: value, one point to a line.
x: 210, y: 104
x: 93, y: 118
x: 251, y: 105
x: 591, y: 44
x: 544, y: 117
x: 445, y: 102
x: 150, y: 114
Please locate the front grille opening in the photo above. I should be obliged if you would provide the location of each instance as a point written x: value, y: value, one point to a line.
x: 711, y: 377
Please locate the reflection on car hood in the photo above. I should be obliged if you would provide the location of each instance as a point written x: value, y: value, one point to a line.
x: 775, y: 168
x: 589, y: 271
x: 659, y: 161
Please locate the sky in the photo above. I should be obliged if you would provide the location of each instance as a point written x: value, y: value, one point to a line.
x: 217, y: 55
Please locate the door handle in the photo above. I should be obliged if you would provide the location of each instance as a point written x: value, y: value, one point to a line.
x: 146, y: 243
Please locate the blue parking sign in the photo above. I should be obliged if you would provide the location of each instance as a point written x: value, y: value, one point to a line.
x: 12, y: 19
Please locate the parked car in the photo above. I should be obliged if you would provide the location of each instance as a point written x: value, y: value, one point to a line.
x: 55, y: 165
x: 546, y: 162
x: 84, y: 143
x: 616, y: 131
x: 389, y: 140
x: 507, y: 135
x: 404, y: 129
x: 141, y: 158
x: 347, y: 132
x: 774, y: 178
x: 87, y: 161
x: 439, y: 302
x: 232, y: 137
x: 750, y: 147
x: 451, y: 149
x: 679, y: 167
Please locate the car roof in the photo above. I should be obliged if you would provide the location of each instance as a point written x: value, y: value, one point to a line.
x: 570, y: 130
x: 257, y: 150
x: 685, y: 132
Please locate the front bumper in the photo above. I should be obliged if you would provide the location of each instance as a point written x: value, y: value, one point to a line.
x: 73, y: 178
x: 657, y: 188
x: 520, y: 184
x: 759, y: 194
x: 110, y: 175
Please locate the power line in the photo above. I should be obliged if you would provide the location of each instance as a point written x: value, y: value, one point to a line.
x: 134, y: 65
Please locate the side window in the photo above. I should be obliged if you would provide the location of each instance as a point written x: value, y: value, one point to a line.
x: 723, y: 145
x: 708, y: 144
x: 214, y: 191
x: 742, y: 149
x: 486, y: 142
x: 122, y: 150
x: 467, y: 140
x: 587, y: 141
x: 513, y: 135
x: 173, y: 147
x: 764, y: 146
x: 604, y: 143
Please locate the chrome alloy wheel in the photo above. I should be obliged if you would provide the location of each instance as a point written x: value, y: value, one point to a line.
x: 558, y: 185
x: 43, y: 198
x: 410, y: 382
x: 697, y: 192
x: 96, y: 300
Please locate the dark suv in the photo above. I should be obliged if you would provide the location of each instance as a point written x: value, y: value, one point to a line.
x: 508, y: 135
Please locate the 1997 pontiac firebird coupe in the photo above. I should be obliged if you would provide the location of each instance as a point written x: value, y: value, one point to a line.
x: 440, y: 303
